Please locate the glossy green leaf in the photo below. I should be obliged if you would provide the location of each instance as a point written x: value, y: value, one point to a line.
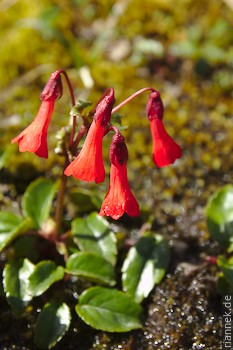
x: 11, y: 226
x: 145, y: 266
x: 8, y: 221
x: 52, y: 323
x: 37, y: 200
x: 16, y: 284
x: 43, y: 276
x: 227, y: 268
x: 91, y: 266
x: 83, y: 200
x: 92, y: 234
x: 109, y: 310
x: 220, y: 215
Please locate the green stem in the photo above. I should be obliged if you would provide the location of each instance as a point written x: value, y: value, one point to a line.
x: 60, y: 200
x: 73, y: 131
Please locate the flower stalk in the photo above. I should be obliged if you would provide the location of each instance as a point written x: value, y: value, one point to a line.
x: 60, y: 202
x: 131, y: 97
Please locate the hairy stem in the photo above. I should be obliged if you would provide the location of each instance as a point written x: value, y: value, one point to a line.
x: 82, y: 131
x: 69, y: 86
x: 73, y: 104
x: 130, y: 98
x: 112, y: 127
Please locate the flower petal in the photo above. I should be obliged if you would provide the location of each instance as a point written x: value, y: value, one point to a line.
x: 119, y: 199
x: 34, y: 137
x: 165, y: 150
x: 88, y: 165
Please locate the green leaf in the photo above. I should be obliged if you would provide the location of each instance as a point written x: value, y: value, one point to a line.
x: 8, y: 221
x: 145, y: 266
x: 11, y: 226
x: 37, y: 200
x: 109, y: 310
x: 92, y: 234
x: 227, y: 268
x: 5, y: 155
x: 52, y: 323
x: 83, y: 200
x: 43, y: 276
x: 223, y: 286
x: 16, y: 284
x: 219, y: 213
x: 91, y: 266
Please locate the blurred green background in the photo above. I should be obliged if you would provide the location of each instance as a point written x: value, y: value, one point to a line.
x: 183, y: 48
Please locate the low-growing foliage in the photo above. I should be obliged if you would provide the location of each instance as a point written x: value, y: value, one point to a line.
x: 93, y: 258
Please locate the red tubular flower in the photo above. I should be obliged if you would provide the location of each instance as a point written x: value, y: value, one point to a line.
x: 88, y: 165
x: 165, y: 150
x: 34, y: 137
x: 119, y: 198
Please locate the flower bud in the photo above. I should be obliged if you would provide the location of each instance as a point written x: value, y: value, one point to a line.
x: 104, y: 107
x: 53, y: 89
x: 118, y: 150
x: 154, y: 107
